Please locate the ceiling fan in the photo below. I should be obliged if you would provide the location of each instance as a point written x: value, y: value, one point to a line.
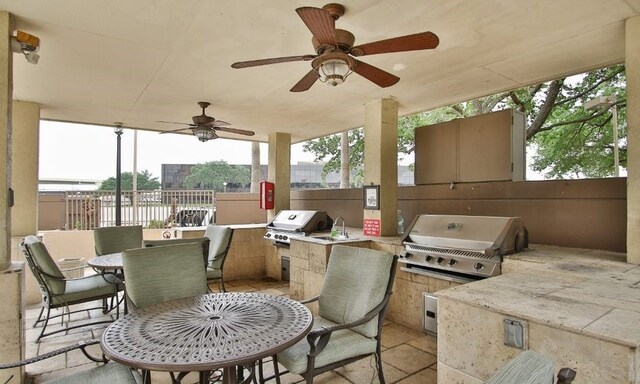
x: 335, y: 53
x: 204, y: 127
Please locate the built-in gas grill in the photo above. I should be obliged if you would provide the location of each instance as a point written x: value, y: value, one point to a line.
x: 288, y: 224
x: 461, y: 248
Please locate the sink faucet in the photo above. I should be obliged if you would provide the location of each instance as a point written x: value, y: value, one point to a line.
x: 344, y: 231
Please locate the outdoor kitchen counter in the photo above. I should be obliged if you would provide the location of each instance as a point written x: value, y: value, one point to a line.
x: 579, y: 307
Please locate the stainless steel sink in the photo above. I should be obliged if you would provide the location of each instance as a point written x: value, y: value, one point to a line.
x: 331, y: 238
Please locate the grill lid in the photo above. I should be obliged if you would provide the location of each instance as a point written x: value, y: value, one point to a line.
x: 300, y: 221
x: 489, y: 235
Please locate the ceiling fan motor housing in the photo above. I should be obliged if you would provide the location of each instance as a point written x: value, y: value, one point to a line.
x: 345, y: 40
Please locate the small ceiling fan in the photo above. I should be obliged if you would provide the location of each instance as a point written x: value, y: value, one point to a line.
x: 335, y: 53
x: 204, y: 127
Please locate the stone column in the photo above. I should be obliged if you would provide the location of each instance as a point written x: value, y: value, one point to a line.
x: 279, y: 171
x: 24, y: 181
x: 11, y: 275
x: 381, y: 161
x: 632, y: 63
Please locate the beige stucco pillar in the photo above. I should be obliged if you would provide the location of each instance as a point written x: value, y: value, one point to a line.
x: 11, y: 274
x: 279, y: 171
x: 632, y: 63
x: 381, y: 161
x: 24, y: 181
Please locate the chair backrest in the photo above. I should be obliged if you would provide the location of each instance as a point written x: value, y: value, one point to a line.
x: 357, y: 281
x: 117, y: 239
x: 43, y: 266
x: 203, y: 241
x: 529, y: 367
x: 219, y: 243
x: 157, y: 274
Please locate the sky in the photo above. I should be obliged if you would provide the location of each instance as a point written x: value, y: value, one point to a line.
x: 87, y: 152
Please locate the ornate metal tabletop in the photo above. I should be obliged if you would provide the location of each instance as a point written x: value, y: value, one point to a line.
x: 108, y: 261
x: 206, y: 332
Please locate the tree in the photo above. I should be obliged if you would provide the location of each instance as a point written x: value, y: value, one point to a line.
x: 146, y: 182
x: 214, y: 174
x: 569, y: 141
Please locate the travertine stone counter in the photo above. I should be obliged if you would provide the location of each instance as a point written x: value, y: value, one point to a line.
x: 580, y: 308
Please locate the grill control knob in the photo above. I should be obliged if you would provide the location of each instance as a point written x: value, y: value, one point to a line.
x: 284, y: 237
x: 452, y: 262
x: 478, y: 266
x: 440, y: 260
x: 428, y: 259
x: 267, y: 235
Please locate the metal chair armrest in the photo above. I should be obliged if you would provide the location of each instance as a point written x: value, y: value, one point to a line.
x: 82, y: 345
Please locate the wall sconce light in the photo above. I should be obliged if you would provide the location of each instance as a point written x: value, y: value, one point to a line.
x: 26, y: 44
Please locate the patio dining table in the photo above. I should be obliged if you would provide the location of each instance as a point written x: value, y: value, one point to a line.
x: 110, y: 261
x: 206, y: 333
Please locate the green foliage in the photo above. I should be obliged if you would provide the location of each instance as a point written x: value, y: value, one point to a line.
x: 214, y: 174
x: 145, y: 182
x: 569, y: 141
x: 154, y: 224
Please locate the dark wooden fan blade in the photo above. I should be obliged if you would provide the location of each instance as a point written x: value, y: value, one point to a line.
x: 172, y: 122
x: 176, y: 130
x: 235, y: 130
x: 320, y: 23
x: 274, y: 60
x: 418, y: 41
x: 306, y: 82
x: 219, y: 123
x: 374, y: 74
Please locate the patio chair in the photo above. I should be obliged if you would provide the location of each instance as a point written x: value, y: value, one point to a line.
x: 219, y: 243
x: 117, y: 239
x: 352, y: 304
x: 158, y: 274
x: 60, y: 292
x: 530, y: 367
x: 203, y: 241
x: 104, y: 373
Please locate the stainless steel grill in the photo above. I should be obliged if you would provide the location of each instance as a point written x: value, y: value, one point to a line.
x: 461, y: 248
x: 288, y: 224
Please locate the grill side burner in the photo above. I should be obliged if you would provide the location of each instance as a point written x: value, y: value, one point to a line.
x: 288, y: 224
x: 461, y: 248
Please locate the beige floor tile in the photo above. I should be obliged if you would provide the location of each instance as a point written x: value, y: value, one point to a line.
x: 393, y: 335
x: 271, y: 291
x: 408, y: 359
x: 364, y: 372
x: 427, y: 343
x: 241, y: 288
x: 426, y: 376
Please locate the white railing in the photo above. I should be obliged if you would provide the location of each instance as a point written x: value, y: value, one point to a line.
x: 151, y: 209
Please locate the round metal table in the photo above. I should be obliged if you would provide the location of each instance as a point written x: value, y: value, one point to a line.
x: 110, y: 261
x: 207, y: 332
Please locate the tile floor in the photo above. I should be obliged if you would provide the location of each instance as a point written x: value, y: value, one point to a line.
x: 408, y: 356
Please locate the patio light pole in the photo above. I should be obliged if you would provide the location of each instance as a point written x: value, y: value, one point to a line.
x: 609, y: 102
x: 118, y: 131
x: 225, y: 186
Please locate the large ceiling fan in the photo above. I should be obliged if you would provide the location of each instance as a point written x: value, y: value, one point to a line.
x: 335, y: 53
x: 204, y: 127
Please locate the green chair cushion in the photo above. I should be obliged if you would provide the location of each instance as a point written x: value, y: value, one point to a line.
x: 83, y: 289
x: 355, y: 283
x: 112, y: 373
x: 219, y: 238
x: 44, y: 261
x: 343, y: 344
x: 158, y: 274
x: 117, y: 239
x: 529, y: 367
x: 203, y: 241
x: 213, y: 273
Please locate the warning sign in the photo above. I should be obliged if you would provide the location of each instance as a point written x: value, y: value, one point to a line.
x: 371, y: 227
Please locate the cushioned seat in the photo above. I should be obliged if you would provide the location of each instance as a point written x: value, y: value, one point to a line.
x: 219, y: 244
x: 60, y: 292
x: 158, y: 274
x: 530, y: 367
x: 112, y: 373
x: 351, y: 308
x: 117, y: 239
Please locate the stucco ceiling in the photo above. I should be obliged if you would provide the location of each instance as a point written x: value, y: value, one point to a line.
x: 147, y: 60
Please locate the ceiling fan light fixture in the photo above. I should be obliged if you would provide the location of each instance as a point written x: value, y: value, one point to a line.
x: 203, y: 133
x: 334, y: 68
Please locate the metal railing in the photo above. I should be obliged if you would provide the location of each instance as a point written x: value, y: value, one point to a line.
x: 151, y: 209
